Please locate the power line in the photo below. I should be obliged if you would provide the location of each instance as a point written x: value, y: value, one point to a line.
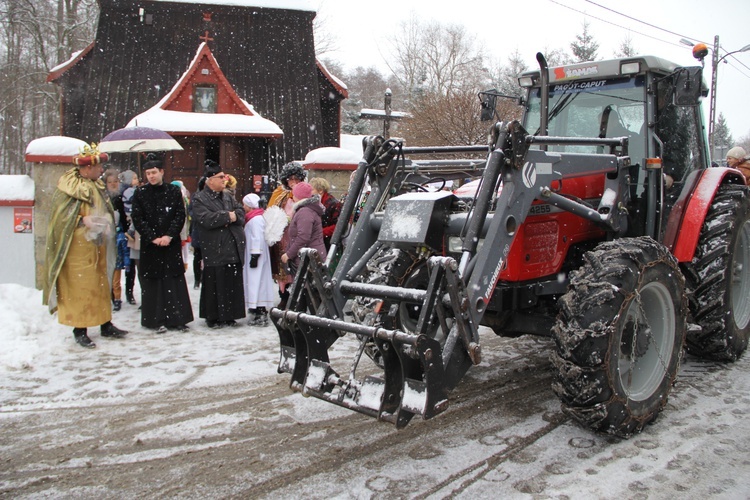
x: 644, y: 34
x: 643, y: 22
x: 615, y: 24
x: 670, y: 32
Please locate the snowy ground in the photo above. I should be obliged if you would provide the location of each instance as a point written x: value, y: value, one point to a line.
x: 204, y: 414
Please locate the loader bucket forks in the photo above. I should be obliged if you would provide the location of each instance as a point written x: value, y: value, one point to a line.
x: 418, y: 371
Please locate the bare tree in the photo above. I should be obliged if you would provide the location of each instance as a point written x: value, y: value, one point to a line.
x: 408, y: 65
x: 441, y: 69
x: 434, y: 57
x: 441, y: 120
x: 367, y: 87
x: 35, y: 35
x: 325, y: 40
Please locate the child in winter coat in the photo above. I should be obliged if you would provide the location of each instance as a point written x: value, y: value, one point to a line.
x: 259, y: 286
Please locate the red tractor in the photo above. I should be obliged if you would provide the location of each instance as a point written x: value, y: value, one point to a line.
x: 597, y: 220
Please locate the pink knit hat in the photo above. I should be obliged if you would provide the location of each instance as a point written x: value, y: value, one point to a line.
x: 302, y: 190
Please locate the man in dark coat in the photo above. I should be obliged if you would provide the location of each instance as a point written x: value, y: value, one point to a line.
x: 158, y: 215
x: 220, y: 219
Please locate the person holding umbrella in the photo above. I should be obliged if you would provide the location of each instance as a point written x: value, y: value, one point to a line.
x: 159, y: 215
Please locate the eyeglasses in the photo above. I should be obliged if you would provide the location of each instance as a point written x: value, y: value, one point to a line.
x: 219, y: 176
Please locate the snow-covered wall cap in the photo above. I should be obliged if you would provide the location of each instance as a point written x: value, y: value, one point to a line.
x: 307, y: 5
x: 53, y: 149
x: 16, y: 188
x: 332, y: 155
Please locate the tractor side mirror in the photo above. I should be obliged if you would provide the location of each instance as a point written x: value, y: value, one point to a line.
x: 689, y: 86
x: 488, y: 100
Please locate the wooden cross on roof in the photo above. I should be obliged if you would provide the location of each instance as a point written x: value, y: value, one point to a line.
x: 206, y: 38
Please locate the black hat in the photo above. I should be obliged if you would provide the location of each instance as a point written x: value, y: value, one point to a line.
x: 292, y: 169
x: 153, y: 164
x: 153, y: 160
x: 212, y: 168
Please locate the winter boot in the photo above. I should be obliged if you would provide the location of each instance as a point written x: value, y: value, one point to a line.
x: 116, y: 305
x: 284, y: 297
x: 262, y: 316
x: 82, y: 338
x: 131, y: 300
x: 253, y: 318
x: 111, y: 331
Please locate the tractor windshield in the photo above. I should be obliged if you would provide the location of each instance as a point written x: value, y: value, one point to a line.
x: 598, y: 108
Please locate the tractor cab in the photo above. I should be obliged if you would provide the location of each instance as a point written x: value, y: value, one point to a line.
x: 652, y: 102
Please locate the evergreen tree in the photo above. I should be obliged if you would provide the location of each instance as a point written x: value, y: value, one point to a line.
x: 723, y: 140
x: 505, y: 77
x: 584, y: 47
x: 626, y: 49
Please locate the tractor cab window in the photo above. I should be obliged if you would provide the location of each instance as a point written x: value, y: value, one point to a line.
x: 599, y: 108
x: 678, y: 129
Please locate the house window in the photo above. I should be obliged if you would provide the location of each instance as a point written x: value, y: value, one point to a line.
x: 204, y: 99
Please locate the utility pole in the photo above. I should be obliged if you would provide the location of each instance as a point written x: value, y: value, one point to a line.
x: 712, y: 105
x: 700, y: 50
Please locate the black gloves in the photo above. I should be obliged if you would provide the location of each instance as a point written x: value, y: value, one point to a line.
x: 254, y: 259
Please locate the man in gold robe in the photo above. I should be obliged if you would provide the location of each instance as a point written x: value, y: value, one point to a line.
x: 80, y: 253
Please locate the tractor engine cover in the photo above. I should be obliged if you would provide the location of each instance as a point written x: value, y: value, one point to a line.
x: 416, y: 218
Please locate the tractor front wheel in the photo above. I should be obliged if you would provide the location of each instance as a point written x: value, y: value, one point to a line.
x: 619, y: 336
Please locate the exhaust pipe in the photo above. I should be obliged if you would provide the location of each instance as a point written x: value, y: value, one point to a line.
x: 544, y: 81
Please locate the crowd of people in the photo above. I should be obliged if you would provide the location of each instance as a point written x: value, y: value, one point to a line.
x: 104, y: 223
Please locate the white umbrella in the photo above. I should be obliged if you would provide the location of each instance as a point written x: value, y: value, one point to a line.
x: 138, y: 139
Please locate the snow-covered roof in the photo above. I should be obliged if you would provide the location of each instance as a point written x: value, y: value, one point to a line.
x: 187, y: 123
x: 335, y: 81
x: 61, y: 68
x: 247, y: 122
x: 53, y: 149
x: 16, y: 188
x: 307, y: 5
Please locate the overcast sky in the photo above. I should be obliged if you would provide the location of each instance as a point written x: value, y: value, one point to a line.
x: 362, y: 31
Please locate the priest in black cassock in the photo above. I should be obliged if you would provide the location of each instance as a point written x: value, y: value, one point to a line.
x: 158, y: 215
x: 220, y: 220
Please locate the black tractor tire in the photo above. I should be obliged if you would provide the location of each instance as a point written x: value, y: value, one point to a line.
x: 718, y: 278
x: 619, y: 334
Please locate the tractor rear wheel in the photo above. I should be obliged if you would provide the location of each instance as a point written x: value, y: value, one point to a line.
x: 718, y: 278
x: 619, y: 335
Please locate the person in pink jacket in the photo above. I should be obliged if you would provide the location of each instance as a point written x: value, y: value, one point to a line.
x: 306, y: 227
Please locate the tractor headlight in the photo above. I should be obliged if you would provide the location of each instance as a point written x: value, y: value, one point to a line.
x: 526, y: 81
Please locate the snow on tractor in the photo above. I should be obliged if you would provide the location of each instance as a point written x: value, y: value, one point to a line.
x: 596, y: 220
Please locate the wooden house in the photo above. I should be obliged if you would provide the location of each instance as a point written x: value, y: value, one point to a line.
x: 146, y: 54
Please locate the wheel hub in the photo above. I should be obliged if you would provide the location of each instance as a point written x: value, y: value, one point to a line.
x: 646, y: 341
